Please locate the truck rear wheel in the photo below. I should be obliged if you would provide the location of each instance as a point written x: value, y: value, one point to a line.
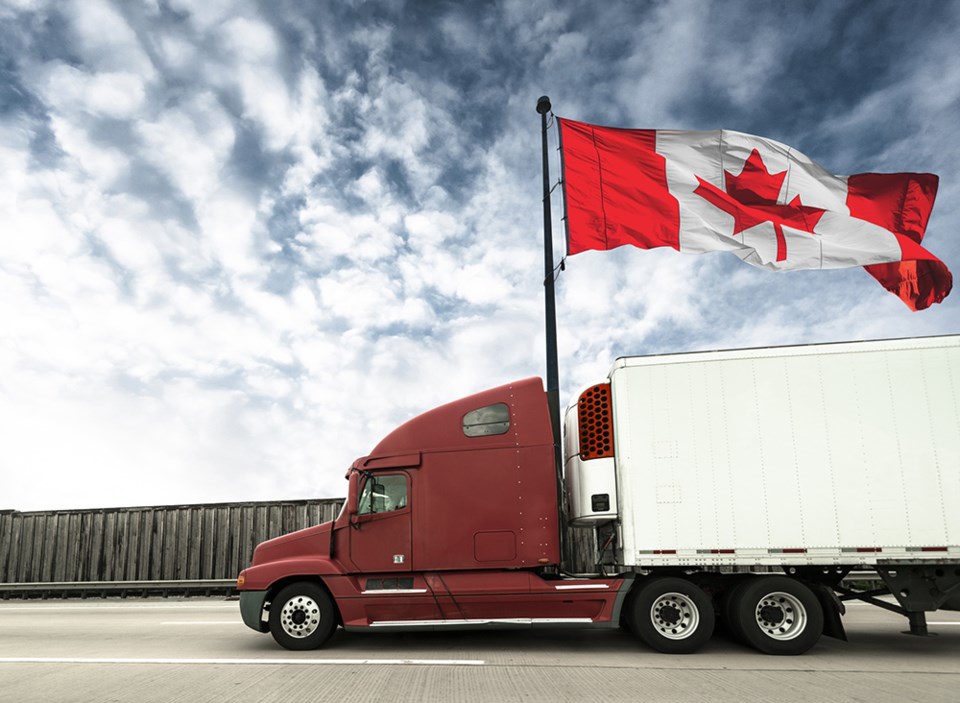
x: 672, y: 615
x: 302, y: 616
x: 776, y: 615
x: 727, y: 609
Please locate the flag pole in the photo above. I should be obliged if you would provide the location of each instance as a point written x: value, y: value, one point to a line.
x: 553, y: 374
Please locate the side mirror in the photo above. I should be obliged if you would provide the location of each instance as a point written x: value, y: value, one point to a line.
x: 352, y: 492
x: 350, y: 507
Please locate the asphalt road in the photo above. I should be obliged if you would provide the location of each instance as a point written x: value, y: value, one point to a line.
x: 198, y: 650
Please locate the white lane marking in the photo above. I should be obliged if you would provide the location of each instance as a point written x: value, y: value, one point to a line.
x: 202, y: 622
x: 133, y: 606
x: 943, y: 623
x: 244, y: 662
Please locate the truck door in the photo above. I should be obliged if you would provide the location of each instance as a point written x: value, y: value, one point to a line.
x: 380, y: 538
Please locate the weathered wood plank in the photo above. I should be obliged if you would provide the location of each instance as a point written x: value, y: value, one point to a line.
x: 6, y: 535
x: 224, y: 540
x: 170, y: 534
x: 109, y: 549
x: 51, y: 536
x: 156, y: 545
x: 57, y: 563
x: 71, y: 570
x: 25, y: 565
x: 119, y: 543
x: 196, y: 540
x: 133, y: 545
x: 207, y: 567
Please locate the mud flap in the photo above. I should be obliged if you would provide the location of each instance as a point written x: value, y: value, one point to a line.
x: 832, y: 610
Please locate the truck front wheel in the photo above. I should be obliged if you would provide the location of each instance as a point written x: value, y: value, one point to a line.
x: 777, y: 615
x: 672, y: 615
x: 302, y: 616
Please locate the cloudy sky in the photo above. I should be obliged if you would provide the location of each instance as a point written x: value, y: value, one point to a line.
x: 240, y: 241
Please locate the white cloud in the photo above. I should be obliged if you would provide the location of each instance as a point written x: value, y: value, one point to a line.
x: 117, y: 95
x: 227, y: 274
x: 106, y: 40
x: 207, y: 14
x: 191, y: 144
x: 329, y: 232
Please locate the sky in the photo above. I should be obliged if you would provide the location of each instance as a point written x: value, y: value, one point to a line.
x: 241, y: 241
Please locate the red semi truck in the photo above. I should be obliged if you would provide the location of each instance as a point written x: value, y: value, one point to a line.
x: 739, y: 487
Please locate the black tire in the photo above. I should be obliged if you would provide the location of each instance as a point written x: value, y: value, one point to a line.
x: 777, y: 615
x: 727, y: 609
x: 626, y: 617
x: 302, y: 616
x: 671, y: 615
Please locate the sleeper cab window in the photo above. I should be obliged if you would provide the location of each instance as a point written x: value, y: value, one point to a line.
x: 484, y: 422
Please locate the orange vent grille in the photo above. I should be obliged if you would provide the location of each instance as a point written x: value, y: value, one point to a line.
x: 594, y: 414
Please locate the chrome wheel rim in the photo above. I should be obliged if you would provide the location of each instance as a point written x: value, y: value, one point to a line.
x: 300, y: 616
x: 675, y: 616
x: 781, y: 616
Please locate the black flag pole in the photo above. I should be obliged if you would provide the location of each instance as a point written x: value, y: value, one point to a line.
x: 553, y: 374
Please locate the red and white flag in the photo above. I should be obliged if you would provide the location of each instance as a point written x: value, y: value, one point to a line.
x: 763, y: 201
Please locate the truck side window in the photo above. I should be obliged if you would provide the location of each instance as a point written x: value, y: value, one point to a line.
x: 483, y: 422
x: 382, y: 494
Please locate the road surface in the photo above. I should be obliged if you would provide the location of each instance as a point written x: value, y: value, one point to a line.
x: 197, y: 650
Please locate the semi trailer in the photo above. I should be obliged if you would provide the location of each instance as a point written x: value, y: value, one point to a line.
x: 734, y: 488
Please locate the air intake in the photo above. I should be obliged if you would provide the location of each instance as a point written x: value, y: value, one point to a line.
x: 594, y: 415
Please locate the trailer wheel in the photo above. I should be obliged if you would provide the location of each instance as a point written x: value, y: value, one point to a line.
x: 302, y: 616
x: 777, y: 615
x: 672, y: 615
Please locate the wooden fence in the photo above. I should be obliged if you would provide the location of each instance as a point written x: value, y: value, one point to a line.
x: 165, y: 543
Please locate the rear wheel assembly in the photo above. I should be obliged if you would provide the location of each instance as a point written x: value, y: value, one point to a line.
x: 671, y: 615
x: 776, y: 615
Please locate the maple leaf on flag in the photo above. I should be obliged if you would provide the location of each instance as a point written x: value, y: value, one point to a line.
x: 751, y: 198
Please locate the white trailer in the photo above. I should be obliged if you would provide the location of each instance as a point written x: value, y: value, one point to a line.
x: 817, y: 460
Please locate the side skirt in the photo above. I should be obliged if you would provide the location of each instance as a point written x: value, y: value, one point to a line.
x: 481, y: 624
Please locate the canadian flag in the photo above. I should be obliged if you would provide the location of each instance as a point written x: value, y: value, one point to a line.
x: 763, y: 201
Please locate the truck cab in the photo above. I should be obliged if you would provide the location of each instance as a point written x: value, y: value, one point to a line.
x: 452, y: 520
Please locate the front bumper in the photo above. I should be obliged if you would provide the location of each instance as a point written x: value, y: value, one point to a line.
x: 251, y: 609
